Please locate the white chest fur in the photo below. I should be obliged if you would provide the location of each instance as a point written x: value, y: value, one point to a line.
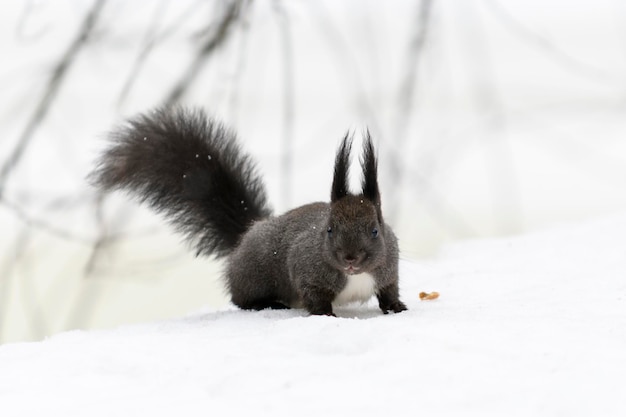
x: 360, y: 287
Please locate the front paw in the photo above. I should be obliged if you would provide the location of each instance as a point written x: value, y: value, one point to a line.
x: 395, y: 306
x: 319, y: 308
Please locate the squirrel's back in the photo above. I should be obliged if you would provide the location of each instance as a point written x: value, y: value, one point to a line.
x: 258, y: 270
x: 190, y: 168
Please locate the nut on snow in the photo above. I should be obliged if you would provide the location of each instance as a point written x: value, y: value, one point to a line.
x: 429, y: 295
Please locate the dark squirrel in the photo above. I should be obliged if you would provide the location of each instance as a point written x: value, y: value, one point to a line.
x: 190, y: 168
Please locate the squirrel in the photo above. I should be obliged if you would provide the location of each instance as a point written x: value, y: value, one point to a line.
x: 190, y: 168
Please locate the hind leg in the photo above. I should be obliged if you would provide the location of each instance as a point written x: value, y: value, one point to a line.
x: 254, y: 274
x: 249, y: 291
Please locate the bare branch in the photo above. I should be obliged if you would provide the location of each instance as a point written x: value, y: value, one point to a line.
x: 6, y: 272
x: 346, y: 63
x: 286, y: 159
x: 58, y: 76
x: 406, y: 98
x: 502, y: 173
x: 152, y: 40
x: 26, y: 14
x: 233, y: 100
x: 548, y: 46
x: 42, y: 225
x: 102, y: 236
x: 416, y: 49
x: 214, y: 40
x: 58, y: 232
x: 440, y: 209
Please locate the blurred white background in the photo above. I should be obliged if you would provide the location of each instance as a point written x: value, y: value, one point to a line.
x: 491, y: 117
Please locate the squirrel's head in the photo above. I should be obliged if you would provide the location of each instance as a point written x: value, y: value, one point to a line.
x: 355, y: 235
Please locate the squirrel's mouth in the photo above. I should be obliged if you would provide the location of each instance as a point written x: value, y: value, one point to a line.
x: 351, y: 269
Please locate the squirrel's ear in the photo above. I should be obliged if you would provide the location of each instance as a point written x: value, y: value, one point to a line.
x: 369, y: 164
x: 342, y: 164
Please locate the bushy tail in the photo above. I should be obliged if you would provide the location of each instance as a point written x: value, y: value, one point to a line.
x: 190, y: 168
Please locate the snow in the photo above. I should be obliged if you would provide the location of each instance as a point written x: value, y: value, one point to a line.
x: 533, y: 325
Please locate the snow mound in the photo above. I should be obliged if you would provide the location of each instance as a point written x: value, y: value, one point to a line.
x: 532, y: 325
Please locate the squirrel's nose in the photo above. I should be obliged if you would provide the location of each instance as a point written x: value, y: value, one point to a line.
x: 350, y: 259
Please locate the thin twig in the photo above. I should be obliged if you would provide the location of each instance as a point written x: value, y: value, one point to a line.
x: 102, y: 236
x: 406, y: 98
x: 346, y: 64
x: 84, y: 306
x: 19, y: 245
x: 506, y: 205
x: 33, y: 309
x: 151, y: 40
x: 441, y: 209
x: 547, y: 46
x: 43, y: 225
x: 20, y: 29
x: 286, y: 163
x: 58, y: 76
x: 240, y: 69
x: 217, y: 38
x: 58, y: 232
x: 409, y: 83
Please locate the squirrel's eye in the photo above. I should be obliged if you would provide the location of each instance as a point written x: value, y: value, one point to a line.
x: 330, y: 231
x: 375, y: 232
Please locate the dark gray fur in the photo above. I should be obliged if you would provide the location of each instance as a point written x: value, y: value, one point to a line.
x: 299, y: 259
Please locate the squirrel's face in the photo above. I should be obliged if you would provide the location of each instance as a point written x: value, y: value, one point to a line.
x: 354, y: 237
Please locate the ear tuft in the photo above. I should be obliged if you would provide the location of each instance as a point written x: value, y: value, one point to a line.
x: 340, y: 186
x: 369, y: 165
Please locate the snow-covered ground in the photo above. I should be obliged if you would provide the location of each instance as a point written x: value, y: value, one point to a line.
x: 533, y: 325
